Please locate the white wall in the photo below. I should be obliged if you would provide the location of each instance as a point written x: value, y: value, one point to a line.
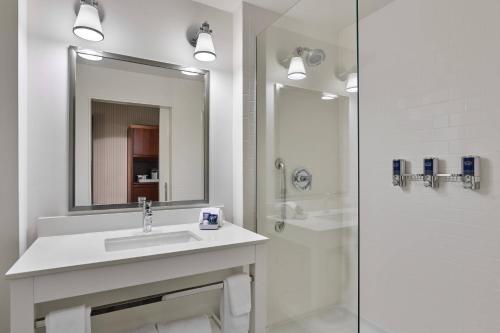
x: 430, y: 258
x: 157, y: 31
x: 8, y: 149
x: 307, y: 136
x: 185, y: 99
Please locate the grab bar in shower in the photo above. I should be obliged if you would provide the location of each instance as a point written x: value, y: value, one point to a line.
x: 280, y: 165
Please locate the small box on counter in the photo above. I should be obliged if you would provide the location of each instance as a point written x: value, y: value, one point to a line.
x: 211, y: 218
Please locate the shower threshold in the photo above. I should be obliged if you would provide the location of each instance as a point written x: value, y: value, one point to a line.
x: 327, y: 320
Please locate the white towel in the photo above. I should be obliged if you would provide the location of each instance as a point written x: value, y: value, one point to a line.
x: 74, y: 320
x: 240, y: 297
x: 148, y: 328
x: 191, y: 325
x: 236, y: 304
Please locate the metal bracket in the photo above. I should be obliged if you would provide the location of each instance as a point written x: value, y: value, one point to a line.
x: 205, y: 27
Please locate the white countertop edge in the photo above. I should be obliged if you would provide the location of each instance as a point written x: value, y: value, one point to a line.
x: 247, y: 239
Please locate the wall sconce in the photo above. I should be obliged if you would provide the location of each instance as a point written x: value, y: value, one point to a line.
x: 301, y: 57
x: 297, y: 69
x: 203, y: 44
x: 352, y: 83
x: 87, y: 23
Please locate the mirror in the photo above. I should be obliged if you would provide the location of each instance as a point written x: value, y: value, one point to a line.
x: 138, y: 129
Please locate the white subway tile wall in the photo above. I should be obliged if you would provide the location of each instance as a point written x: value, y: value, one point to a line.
x: 430, y: 258
x: 255, y: 19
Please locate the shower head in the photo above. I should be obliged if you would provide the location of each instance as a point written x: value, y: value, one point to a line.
x: 314, y: 57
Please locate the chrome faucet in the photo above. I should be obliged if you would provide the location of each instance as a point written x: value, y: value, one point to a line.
x: 147, y: 216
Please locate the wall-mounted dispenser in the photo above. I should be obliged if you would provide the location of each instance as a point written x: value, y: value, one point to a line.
x: 430, y: 177
x: 470, y: 172
x: 398, y: 173
x: 470, y: 176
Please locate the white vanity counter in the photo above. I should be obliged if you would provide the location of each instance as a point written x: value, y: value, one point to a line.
x: 54, y: 254
x: 58, y: 267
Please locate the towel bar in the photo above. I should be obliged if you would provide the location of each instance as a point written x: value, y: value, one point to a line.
x: 135, y: 302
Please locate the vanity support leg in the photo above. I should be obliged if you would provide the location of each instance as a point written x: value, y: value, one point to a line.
x: 22, y: 307
x: 259, y: 306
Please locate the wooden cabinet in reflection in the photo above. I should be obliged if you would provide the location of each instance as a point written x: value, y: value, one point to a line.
x: 142, y: 151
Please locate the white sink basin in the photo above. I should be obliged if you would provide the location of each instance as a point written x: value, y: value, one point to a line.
x: 149, y: 240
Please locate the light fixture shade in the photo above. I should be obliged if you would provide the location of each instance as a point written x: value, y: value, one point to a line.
x: 352, y: 83
x: 205, y: 50
x: 297, y: 70
x: 88, y: 24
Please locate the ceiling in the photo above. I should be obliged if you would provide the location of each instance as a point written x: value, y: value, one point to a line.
x: 278, y: 6
x: 281, y: 6
x: 321, y: 19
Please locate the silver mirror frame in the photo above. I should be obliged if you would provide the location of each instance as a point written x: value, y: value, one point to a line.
x: 72, y: 58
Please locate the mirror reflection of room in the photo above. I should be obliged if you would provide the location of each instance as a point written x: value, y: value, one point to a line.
x: 139, y: 133
x: 130, y: 133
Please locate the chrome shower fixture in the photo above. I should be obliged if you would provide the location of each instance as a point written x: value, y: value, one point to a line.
x: 314, y: 57
x: 279, y: 164
x: 470, y: 176
x: 302, y: 179
x: 279, y: 225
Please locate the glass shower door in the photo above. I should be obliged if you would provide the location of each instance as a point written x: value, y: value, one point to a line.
x: 307, y: 197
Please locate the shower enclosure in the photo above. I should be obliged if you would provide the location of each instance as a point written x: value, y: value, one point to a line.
x: 307, y: 168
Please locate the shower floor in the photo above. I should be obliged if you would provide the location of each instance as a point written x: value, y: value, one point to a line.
x: 331, y: 320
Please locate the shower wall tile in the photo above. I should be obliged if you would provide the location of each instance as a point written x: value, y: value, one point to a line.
x: 253, y: 20
x: 430, y: 258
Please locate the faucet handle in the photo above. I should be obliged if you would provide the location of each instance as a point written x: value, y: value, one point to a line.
x: 147, y: 205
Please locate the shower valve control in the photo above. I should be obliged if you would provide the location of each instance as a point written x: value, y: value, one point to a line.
x: 302, y: 179
x: 430, y: 177
x: 398, y: 173
x: 470, y: 172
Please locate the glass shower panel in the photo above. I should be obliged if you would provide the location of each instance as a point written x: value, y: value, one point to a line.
x: 307, y: 189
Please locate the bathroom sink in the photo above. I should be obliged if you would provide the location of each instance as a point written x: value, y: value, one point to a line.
x: 149, y: 240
